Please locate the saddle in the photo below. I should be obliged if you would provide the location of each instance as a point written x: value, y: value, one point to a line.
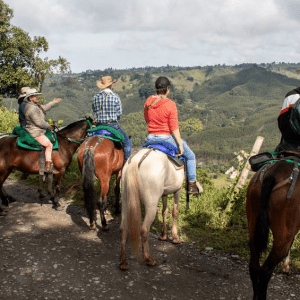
x: 267, y: 159
x: 168, y: 149
x: 26, y: 141
x: 107, y: 132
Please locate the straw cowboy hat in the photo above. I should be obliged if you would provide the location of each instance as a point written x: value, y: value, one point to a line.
x: 105, y: 82
x: 31, y: 92
x: 23, y: 92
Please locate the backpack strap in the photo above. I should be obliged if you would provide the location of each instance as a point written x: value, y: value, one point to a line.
x: 154, y: 102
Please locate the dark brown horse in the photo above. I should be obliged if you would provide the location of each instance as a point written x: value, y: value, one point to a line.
x: 12, y: 157
x: 101, y: 157
x: 271, y: 205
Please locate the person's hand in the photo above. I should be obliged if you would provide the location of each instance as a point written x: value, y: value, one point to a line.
x: 57, y: 100
x: 180, y: 150
x: 51, y: 127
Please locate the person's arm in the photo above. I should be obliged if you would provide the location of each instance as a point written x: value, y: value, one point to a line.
x: 176, y: 134
x: 118, y: 108
x: 49, y: 105
x: 174, y: 126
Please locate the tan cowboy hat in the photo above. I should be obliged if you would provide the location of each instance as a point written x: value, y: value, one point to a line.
x: 23, y: 92
x: 105, y: 82
x: 31, y: 92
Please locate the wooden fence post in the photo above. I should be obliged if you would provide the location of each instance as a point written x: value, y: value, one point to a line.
x: 244, y: 175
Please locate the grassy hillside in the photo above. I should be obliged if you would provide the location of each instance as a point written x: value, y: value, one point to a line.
x: 234, y: 103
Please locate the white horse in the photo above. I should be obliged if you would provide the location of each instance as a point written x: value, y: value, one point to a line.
x: 147, y: 178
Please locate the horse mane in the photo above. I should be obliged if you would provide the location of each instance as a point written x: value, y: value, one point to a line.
x: 71, y: 126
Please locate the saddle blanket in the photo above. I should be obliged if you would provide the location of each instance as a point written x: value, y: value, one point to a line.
x: 107, y: 132
x: 26, y: 141
x: 166, y: 148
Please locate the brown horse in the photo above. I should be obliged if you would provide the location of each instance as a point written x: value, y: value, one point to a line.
x: 12, y: 157
x: 101, y: 157
x: 270, y: 206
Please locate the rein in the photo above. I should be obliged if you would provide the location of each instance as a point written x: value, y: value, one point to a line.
x: 80, y: 142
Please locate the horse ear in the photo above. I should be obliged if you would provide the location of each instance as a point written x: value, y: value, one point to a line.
x: 90, y: 119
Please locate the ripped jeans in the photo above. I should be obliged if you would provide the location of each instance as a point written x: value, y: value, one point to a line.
x: 188, y: 153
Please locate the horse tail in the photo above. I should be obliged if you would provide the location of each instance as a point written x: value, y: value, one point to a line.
x: 134, y: 215
x: 88, y: 172
x: 262, y: 227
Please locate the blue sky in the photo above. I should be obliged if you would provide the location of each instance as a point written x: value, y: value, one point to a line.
x: 137, y: 33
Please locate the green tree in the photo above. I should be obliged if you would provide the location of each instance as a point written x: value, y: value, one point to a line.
x: 191, y: 125
x: 20, y: 63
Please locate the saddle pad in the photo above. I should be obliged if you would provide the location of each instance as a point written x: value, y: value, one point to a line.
x: 107, y: 131
x: 166, y: 148
x: 26, y: 141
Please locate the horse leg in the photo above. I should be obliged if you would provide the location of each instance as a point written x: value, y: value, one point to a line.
x: 164, y: 233
x: 41, y: 191
x: 254, y: 268
x: 287, y: 261
x: 3, y: 195
x: 56, y: 195
x: 149, y: 218
x: 123, y: 233
x: 175, y: 238
x: 278, y: 253
x: 117, y: 193
x: 102, y: 203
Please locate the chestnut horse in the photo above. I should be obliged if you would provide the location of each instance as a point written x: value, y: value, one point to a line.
x: 270, y: 206
x: 101, y: 157
x: 147, y: 180
x: 12, y: 157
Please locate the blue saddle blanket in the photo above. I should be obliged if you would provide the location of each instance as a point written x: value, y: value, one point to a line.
x: 164, y: 147
x: 101, y: 132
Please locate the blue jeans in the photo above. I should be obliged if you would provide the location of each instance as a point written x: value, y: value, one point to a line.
x: 126, y: 142
x: 188, y: 153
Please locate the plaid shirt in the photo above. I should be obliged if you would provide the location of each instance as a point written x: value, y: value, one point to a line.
x: 107, y: 107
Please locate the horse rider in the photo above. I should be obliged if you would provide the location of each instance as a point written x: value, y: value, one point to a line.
x: 22, y: 103
x: 161, y: 115
x: 290, y: 140
x: 36, y: 124
x: 107, y: 109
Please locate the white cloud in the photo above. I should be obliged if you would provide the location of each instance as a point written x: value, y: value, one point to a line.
x: 136, y: 33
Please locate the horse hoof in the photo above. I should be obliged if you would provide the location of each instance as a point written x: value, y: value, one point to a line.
x: 286, y: 272
x: 105, y: 228
x: 124, y: 266
x: 163, y: 237
x: 59, y: 208
x: 151, y: 262
x: 11, y: 199
x: 93, y: 227
x: 176, y: 241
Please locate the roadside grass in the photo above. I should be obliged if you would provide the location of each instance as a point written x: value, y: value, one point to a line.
x: 207, y: 223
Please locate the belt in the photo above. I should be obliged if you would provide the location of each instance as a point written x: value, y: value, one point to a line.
x: 113, y: 122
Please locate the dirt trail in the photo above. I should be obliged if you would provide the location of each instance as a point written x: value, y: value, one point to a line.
x: 48, y: 254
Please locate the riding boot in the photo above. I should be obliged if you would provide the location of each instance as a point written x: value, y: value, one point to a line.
x: 194, y: 188
x: 47, y: 166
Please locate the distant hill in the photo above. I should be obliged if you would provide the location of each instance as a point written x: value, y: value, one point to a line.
x: 234, y: 103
